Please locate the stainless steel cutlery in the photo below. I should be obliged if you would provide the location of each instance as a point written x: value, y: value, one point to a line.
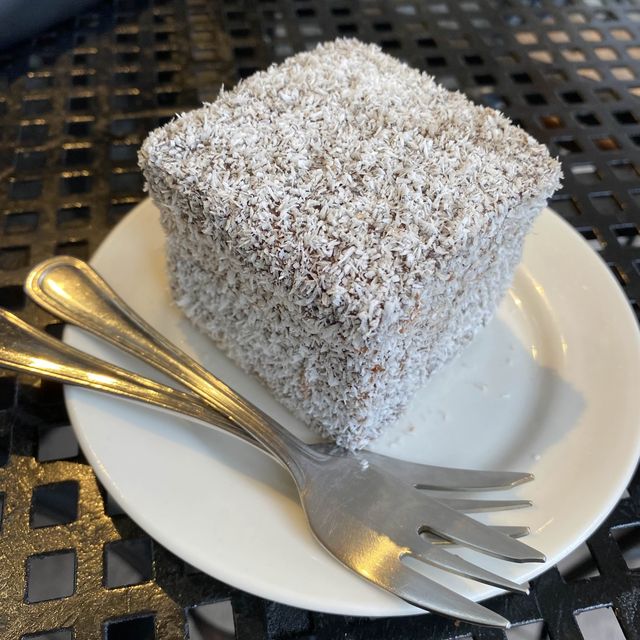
x: 365, y: 509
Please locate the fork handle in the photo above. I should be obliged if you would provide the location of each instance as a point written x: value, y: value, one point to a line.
x: 70, y: 289
x: 25, y: 349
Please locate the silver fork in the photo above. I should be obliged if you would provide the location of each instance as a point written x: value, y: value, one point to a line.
x: 24, y: 348
x: 71, y: 290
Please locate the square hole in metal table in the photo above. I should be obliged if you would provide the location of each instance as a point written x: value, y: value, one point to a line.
x: 54, y: 504
x: 138, y: 628
x: 27, y: 189
x: 128, y: 562
x: 76, y: 248
x: 29, y: 161
x: 12, y: 297
x: 627, y: 234
x: 598, y: 624
x: 50, y: 576
x: 77, y: 215
x: 12, y: 258
x: 56, y: 443
x: 214, y: 620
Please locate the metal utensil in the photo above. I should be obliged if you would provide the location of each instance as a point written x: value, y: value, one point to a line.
x: 73, y: 291
x: 24, y: 348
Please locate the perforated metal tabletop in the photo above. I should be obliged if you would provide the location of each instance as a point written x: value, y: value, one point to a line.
x: 75, y: 104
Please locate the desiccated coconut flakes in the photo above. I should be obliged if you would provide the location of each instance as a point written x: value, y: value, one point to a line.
x: 342, y: 226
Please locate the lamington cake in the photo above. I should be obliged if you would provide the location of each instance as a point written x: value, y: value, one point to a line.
x: 341, y: 226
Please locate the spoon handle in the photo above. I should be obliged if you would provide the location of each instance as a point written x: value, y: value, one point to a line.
x: 73, y: 291
x: 26, y: 349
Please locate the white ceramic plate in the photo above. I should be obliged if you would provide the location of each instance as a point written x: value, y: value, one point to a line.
x: 547, y: 387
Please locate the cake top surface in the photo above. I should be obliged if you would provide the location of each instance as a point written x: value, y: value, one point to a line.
x: 348, y: 176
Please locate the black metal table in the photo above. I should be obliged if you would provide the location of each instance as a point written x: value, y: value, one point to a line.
x: 76, y: 102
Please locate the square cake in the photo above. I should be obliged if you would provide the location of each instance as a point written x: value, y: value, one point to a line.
x: 342, y: 226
